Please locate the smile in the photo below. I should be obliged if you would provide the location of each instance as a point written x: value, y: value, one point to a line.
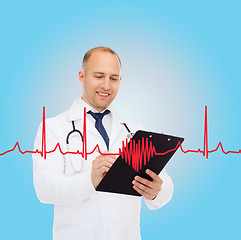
x: 103, y: 94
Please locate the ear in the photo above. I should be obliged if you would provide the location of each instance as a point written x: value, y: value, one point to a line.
x: 120, y: 78
x: 81, y: 76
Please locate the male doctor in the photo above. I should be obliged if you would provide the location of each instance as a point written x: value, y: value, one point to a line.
x: 69, y: 181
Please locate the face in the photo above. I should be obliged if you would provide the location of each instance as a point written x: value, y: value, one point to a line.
x: 100, y: 80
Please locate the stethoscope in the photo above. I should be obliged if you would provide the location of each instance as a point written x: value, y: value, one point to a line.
x: 76, y: 131
x: 129, y: 133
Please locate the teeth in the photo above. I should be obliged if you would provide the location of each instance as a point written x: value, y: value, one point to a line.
x: 103, y: 94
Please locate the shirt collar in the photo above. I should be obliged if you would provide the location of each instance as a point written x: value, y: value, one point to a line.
x: 77, y: 109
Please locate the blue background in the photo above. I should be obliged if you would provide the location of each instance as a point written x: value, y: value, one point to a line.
x: 178, y: 56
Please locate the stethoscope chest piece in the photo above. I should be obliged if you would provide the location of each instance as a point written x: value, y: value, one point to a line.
x: 130, y: 134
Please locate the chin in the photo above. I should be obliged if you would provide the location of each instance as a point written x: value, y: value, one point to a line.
x: 100, y: 107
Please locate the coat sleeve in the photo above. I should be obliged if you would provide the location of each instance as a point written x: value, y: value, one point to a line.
x: 51, y: 184
x: 165, y: 195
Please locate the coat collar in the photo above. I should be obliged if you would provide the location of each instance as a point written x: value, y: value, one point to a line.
x: 76, y: 112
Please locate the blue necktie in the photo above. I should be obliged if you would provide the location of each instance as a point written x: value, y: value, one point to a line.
x: 99, y: 125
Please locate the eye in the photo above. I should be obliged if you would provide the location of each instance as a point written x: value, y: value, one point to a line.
x: 98, y: 77
x: 114, y: 79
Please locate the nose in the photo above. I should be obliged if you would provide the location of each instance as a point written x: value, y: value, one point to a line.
x: 106, y: 84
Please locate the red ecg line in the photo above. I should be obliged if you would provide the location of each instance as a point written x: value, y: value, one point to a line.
x: 132, y: 153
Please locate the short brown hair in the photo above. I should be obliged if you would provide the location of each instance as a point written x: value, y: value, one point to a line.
x: 104, y: 49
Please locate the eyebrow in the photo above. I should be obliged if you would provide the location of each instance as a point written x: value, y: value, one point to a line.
x: 115, y: 75
x: 98, y: 72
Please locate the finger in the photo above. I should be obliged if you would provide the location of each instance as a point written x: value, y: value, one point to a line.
x: 143, y: 193
x: 144, y: 181
x: 104, y: 169
x: 153, y: 175
x: 154, y: 187
x: 104, y: 158
x: 109, y: 156
x: 110, y: 160
x: 143, y: 187
x: 103, y: 163
x: 113, y: 156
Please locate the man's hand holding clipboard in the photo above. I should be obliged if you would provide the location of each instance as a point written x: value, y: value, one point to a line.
x: 124, y: 179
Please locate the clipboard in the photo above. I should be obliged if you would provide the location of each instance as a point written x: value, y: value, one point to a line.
x: 120, y: 176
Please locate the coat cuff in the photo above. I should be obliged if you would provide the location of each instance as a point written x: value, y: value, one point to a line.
x: 163, y: 197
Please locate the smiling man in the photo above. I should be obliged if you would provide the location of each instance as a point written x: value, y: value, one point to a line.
x: 69, y: 181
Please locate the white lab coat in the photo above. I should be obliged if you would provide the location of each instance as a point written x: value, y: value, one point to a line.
x: 80, y: 212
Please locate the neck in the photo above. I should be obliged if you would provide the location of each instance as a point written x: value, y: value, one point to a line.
x: 87, y: 102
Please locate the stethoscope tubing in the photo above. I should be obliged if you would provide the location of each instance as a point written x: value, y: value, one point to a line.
x: 129, y: 135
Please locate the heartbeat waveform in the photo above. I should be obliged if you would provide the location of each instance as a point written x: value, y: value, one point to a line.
x: 132, y: 153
